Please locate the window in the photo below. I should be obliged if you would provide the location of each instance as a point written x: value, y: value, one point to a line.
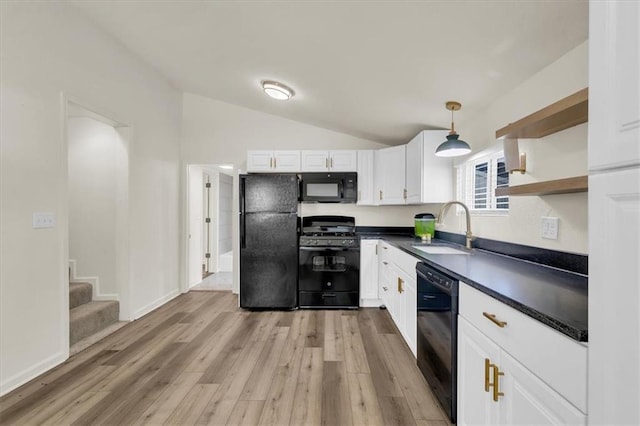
x: 477, y: 180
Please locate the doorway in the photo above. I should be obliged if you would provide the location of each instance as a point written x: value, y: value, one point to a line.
x: 98, y: 204
x: 209, y: 223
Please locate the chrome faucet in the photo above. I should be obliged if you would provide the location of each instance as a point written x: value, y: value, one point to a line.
x: 443, y: 210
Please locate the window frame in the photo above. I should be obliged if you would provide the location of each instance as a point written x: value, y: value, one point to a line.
x: 465, y: 185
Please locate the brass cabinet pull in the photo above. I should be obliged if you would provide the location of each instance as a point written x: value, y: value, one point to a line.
x: 496, y: 382
x: 487, y: 367
x: 275, y: 166
x: 493, y: 319
x: 400, y: 282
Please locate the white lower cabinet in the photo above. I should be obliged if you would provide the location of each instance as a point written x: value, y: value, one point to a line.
x: 495, y: 388
x: 369, y: 273
x: 397, y: 289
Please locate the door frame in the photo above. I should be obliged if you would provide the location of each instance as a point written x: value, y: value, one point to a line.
x: 123, y: 270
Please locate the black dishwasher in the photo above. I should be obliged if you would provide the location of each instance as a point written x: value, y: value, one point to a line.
x: 437, y: 331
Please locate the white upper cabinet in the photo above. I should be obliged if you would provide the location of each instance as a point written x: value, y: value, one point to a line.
x: 390, y: 175
x: 366, y: 184
x: 429, y: 179
x: 329, y: 161
x: 273, y: 161
x: 614, y: 85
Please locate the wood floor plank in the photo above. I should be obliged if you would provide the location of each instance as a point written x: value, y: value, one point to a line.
x: 422, y: 404
x: 307, y: 405
x: 222, y: 403
x: 279, y: 400
x: 193, y: 404
x: 396, y: 411
x: 229, y: 348
x: 261, y: 377
x: 364, y: 401
x: 383, y: 378
x: 168, y: 401
x: 246, y: 413
x: 336, y: 401
x: 305, y: 367
x: 333, y: 338
x: 315, y: 330
x: 354, y: 352
x: 21, y: 406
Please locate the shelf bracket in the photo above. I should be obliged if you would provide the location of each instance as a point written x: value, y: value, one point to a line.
x: 515, y: 162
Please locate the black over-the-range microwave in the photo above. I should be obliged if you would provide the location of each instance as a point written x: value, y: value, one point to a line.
x: 329, y: 187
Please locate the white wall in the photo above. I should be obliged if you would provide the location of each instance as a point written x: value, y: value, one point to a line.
x: 196, y: 224
x: 92, y: 149
x: 225, y: 212
x: 49, y: 49
x: 560, y: 155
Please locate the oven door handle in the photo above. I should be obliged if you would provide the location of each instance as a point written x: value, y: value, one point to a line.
x: 305, y: 248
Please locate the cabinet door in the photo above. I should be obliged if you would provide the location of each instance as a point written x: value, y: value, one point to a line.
x: 475, y: 403
x: 414, y: 170
x: 614, y: 86
x: 369, y: 273
x: 260, y: 161
x: 343, y: 161
x: 614, y: 319
x: 286, y: 161
x: 409, y: 298
x: 315, y: 161
x: 527, y: 400
x: 392, y: 185
x: 365, y: 177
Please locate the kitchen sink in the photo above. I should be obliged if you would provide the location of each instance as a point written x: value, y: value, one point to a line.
x: 440, y: 250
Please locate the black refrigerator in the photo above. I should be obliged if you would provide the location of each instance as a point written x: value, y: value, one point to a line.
x: 269, y: 241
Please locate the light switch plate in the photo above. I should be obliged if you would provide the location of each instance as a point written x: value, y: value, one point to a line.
x: 549, y: 227
x: 44, y: 220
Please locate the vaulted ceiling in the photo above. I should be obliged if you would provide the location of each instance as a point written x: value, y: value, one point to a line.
x: 380, y: 70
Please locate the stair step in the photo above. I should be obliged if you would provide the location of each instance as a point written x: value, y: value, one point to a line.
x: 79, y: 294
x: 89, y: 318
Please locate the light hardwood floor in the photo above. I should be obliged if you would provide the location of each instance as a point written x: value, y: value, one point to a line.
x: 201, y: 360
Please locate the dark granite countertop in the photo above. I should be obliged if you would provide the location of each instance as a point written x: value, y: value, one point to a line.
x: 555, y: 297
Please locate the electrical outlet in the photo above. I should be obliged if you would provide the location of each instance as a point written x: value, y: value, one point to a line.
x: 44, y: 220
x: 549, y: 227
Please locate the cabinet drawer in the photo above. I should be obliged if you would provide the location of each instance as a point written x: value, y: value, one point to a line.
x: 404, y: 261
x: 558, y: 360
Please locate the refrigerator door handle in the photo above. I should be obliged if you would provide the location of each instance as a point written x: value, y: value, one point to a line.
x: 243, y: 216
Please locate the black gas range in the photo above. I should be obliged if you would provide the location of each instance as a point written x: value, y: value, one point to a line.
x: 329, y: 263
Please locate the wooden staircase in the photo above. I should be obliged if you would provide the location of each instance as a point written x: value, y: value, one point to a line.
x: 86, y: 316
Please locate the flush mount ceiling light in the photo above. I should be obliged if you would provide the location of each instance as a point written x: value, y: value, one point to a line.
x: 277, y: 90
x: 453, y: 147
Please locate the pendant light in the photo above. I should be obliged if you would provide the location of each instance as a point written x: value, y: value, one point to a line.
x: 453, y: 147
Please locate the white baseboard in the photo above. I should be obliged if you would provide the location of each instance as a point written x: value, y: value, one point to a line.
x: 32, y: 372
x: 370, y: 303
x: 155, y: 304
x: 94, y: 281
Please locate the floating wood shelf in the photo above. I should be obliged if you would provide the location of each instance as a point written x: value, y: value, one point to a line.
x: 565, y: 113
x: 558, y: 186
